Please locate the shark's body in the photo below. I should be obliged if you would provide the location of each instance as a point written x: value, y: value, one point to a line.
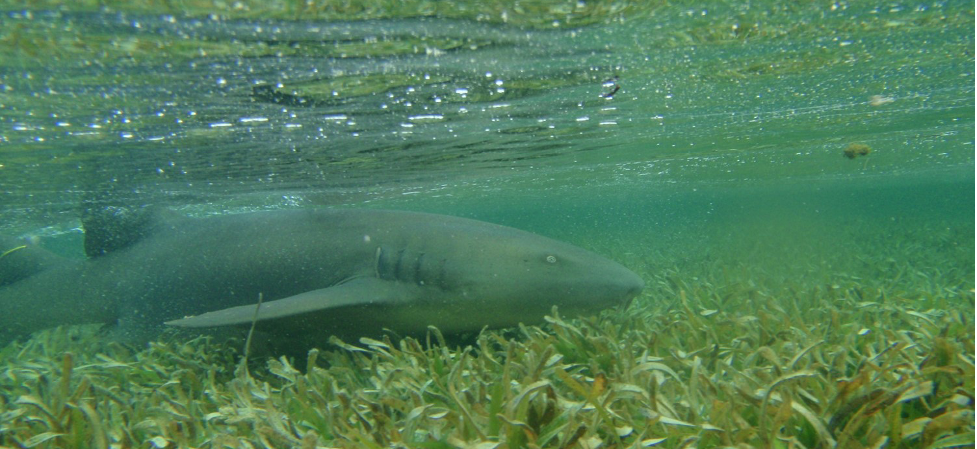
x: 320, y: 273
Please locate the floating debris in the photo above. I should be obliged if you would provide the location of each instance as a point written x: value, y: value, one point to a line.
x: 611, y: 87
x: 854, y: 150
x: 879, y: 100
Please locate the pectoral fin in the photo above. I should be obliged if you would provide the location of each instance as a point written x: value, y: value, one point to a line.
x: 362, y: 291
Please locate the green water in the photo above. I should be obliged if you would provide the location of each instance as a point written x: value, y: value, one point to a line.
x: 700, y: 144
x: 728, y: 121
x: 721, y: 113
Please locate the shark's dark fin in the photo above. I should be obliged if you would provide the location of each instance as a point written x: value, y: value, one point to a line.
x: 357, y: 292
x: 110, y: 228
x: 20, y: 259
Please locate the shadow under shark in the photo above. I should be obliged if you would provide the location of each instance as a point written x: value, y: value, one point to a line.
x: 348, y: 273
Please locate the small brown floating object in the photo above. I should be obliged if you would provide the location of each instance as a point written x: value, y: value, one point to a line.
x: 854, y: 150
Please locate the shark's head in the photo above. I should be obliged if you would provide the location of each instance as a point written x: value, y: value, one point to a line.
x: 504, y: 276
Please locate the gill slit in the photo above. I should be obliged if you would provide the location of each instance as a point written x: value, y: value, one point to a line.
x: 376, y: 262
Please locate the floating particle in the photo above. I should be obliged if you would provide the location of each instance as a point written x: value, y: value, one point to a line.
x: 854, y: 150
x: 879, y: 100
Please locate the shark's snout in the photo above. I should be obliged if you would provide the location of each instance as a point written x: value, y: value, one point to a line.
x: 625, y: 288
x: 634, y: 287
x: 602, y: 283
x: 630, y: 284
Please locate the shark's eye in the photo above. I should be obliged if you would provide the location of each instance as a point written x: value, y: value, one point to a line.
x: 551, y: 259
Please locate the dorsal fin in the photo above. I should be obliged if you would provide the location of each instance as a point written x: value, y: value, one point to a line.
x: 111, y: 228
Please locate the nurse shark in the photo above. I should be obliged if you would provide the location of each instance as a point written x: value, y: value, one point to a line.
x: 348, y: 273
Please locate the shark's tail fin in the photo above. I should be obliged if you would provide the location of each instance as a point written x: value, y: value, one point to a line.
x: 20, y: 259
